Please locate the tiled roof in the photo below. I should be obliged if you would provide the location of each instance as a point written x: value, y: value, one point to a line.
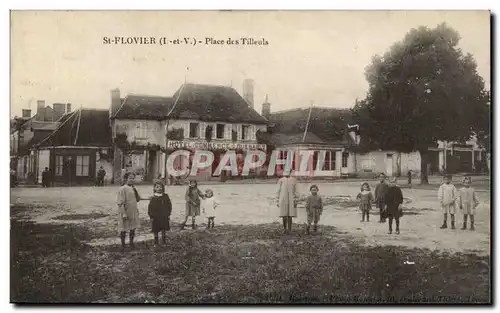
x: 203, y: 102
x: 329, y: 124
x: 89, y: 127
x: 38, y: 136
x: 281, y: 139
x: 215, y: 103
x: 144, y: 107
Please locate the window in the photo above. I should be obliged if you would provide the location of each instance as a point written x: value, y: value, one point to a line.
x: 245, y: 132
x: 220, y: 131
x: 345, y: 157
x: 333, y: 164
x: 82, y: 165
x: 194, y: 130
x: 141, y: 130
x: 59, y: 165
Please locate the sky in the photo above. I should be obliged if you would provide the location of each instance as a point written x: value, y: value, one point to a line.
x: 312, y: 56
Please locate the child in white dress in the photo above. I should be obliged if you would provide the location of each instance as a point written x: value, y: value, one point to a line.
x: 448, y: 196
x: 209, y: 204
x: 468, y: 202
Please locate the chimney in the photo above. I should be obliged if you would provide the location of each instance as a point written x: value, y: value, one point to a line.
x: 115, y: 102
x: 59, y: 109
x: 40, y: 110
x: 68, y: 108
x: 266, y: 109
x: 248, y: 91
x: 26, y: 113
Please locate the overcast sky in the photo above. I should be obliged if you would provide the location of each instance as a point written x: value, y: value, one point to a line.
x: 316, y: 56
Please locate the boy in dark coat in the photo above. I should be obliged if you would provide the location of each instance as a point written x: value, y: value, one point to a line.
x: 159, y: 210
x: 380, y: 190
x: 393, y: 200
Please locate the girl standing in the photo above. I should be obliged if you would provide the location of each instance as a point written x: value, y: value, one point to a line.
x: 127, y: 200
x: 159, y: 210
x: 209, y: 205
x: 468, y: 202
x: 193, y: 196
x: 366, y: 198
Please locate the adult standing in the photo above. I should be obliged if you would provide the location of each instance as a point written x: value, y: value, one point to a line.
x: 46, y: 178
x: 380, y: 190
x: 287, y: 200
x: 393, y: 203
x: 101, y: 173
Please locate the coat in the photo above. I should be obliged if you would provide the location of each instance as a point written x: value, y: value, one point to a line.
x: 127, y: 200
x: 392, y: 199
x: 159, y: 210
x: 193, y: 196
x: 287, y: 195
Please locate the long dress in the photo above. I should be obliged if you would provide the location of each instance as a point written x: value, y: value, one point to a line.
x: 287, y: 193
x: 127, y: 205
x: 468, y: 201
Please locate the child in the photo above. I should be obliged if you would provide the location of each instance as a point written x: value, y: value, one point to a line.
x: 127, y: 200
x: 468, y: 202
x: 366, y: 198
x: 447, y: 195
x: 380, y: 190
x: 159, y: 210
x: 193, y: 195
x: 314, y: 208
x: 209, y: 205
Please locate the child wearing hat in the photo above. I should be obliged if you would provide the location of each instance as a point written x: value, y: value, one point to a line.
x: 448, y: 196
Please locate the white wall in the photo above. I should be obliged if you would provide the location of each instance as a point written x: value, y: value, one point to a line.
x: 375, y: 162
x: 155, y: 130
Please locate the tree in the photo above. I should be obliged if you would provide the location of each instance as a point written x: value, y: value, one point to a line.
x: 422, y: 90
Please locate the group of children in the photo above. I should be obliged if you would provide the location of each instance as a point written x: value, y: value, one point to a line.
x: 160, y: 208
x: 450, y: 198
x: 388, y: 198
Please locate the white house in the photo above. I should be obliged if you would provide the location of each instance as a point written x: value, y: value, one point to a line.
x: 212, y: 117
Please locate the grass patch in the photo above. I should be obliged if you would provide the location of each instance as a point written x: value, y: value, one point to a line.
x: 236, y: 264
